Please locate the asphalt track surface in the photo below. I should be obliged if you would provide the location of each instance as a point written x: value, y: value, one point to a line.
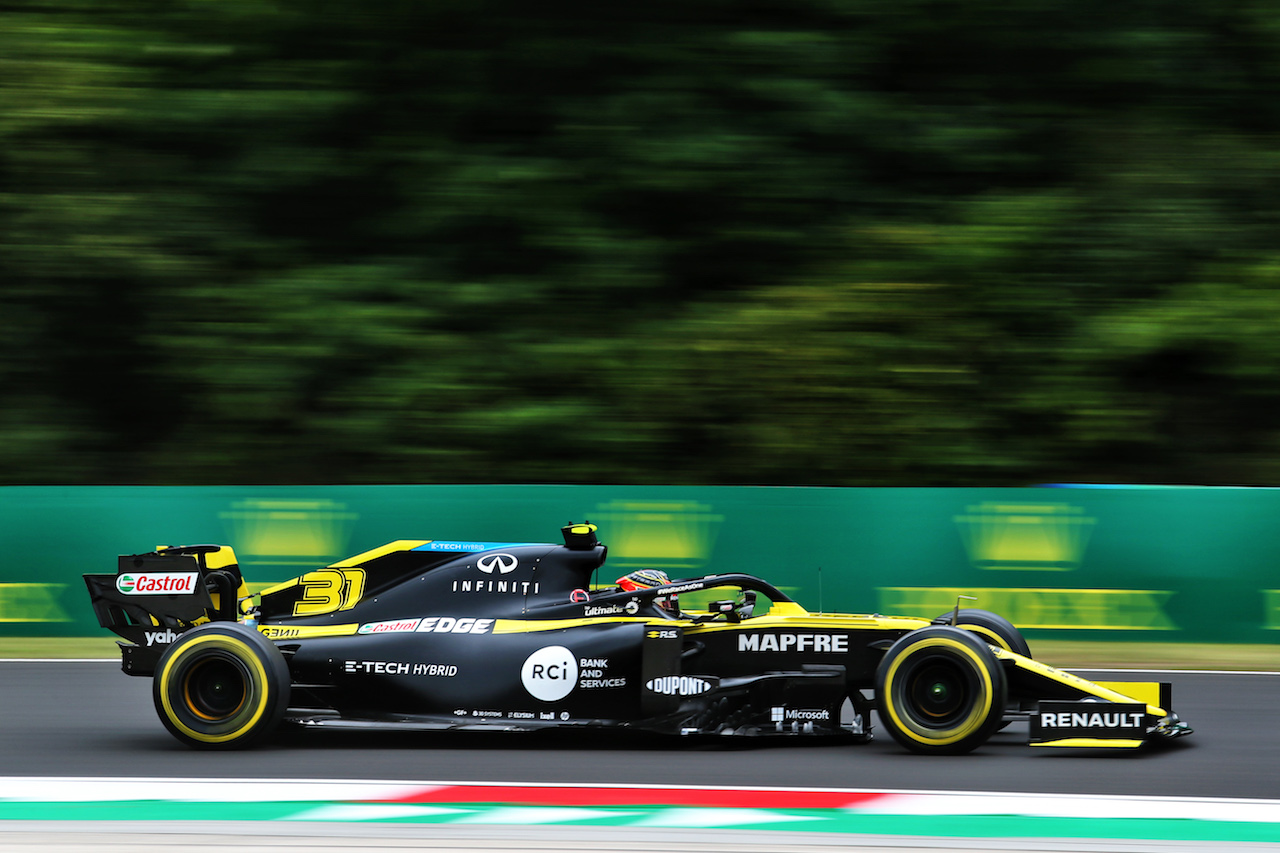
x: 89, y: 719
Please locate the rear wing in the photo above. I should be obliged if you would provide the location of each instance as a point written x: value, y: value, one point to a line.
x: 154, y: 597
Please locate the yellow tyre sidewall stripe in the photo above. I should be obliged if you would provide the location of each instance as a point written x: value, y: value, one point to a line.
x: 990, y: 637
x: 256, y: 690
x: 971, y: 723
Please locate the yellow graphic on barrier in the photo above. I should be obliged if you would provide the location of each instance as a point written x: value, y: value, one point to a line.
x: 32, y: 602
x: 1271, y: 609
x: 289, y: 532
x: 1072, y: 609
x: 1035, y: 537
x: 669, y: 535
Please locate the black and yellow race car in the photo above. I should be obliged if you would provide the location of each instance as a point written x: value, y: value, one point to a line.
x: 517, y: 636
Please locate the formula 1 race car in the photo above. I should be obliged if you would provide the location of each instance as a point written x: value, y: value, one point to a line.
x: 506, y: 636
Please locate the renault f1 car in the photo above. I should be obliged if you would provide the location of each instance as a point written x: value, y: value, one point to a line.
x: 446, y: 635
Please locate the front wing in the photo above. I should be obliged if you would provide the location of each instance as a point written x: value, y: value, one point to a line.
x: 1071, y: 711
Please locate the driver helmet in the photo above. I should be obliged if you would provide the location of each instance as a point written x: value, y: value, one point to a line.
x: 643, y: 579
x: 646, y: 579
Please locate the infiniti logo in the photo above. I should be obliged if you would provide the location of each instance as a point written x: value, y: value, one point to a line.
x: 504, y: 563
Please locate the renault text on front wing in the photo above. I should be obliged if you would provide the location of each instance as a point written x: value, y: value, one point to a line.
x: 1058, y: 721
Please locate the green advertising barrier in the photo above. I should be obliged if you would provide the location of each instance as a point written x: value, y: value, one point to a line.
x: 1168, y: 564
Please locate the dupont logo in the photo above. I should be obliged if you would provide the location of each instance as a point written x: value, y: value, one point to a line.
x: 158, y: 583
x: 678, y: 685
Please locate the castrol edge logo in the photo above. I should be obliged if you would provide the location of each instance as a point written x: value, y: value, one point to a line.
x: 157, y: 583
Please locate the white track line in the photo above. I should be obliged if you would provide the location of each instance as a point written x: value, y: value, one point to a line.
x: 60, y: 660
x: 899, y: 802
x: 1173, y: 671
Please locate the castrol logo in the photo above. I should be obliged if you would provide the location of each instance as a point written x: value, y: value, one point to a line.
x: 158, y: 583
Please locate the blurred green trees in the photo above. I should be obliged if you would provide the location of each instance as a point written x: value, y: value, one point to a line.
x: 841, y: 242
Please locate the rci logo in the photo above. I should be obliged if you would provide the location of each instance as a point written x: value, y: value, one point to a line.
x: 550, y: 673
x: 504, y: 563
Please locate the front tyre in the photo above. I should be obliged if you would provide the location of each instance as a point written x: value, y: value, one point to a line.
x: 940, y: 690
x: 221, y: 686
x: 997, y: 630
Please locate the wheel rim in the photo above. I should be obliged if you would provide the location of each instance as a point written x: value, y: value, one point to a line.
x: 215, y: 689
x: 940, y: 692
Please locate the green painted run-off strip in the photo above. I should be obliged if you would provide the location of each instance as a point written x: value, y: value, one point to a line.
x: 815, y: 820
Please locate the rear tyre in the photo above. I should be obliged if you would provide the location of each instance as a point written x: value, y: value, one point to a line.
x: 940, y: 690
x: 221, y: 686
x: 994, y: 628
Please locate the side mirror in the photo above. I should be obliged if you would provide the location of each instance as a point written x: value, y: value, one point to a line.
x: 727, y: 608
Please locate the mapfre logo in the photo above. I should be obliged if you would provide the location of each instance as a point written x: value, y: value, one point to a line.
x: 158, y: 583
x: 503, y: 563
x: 550, y: 673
